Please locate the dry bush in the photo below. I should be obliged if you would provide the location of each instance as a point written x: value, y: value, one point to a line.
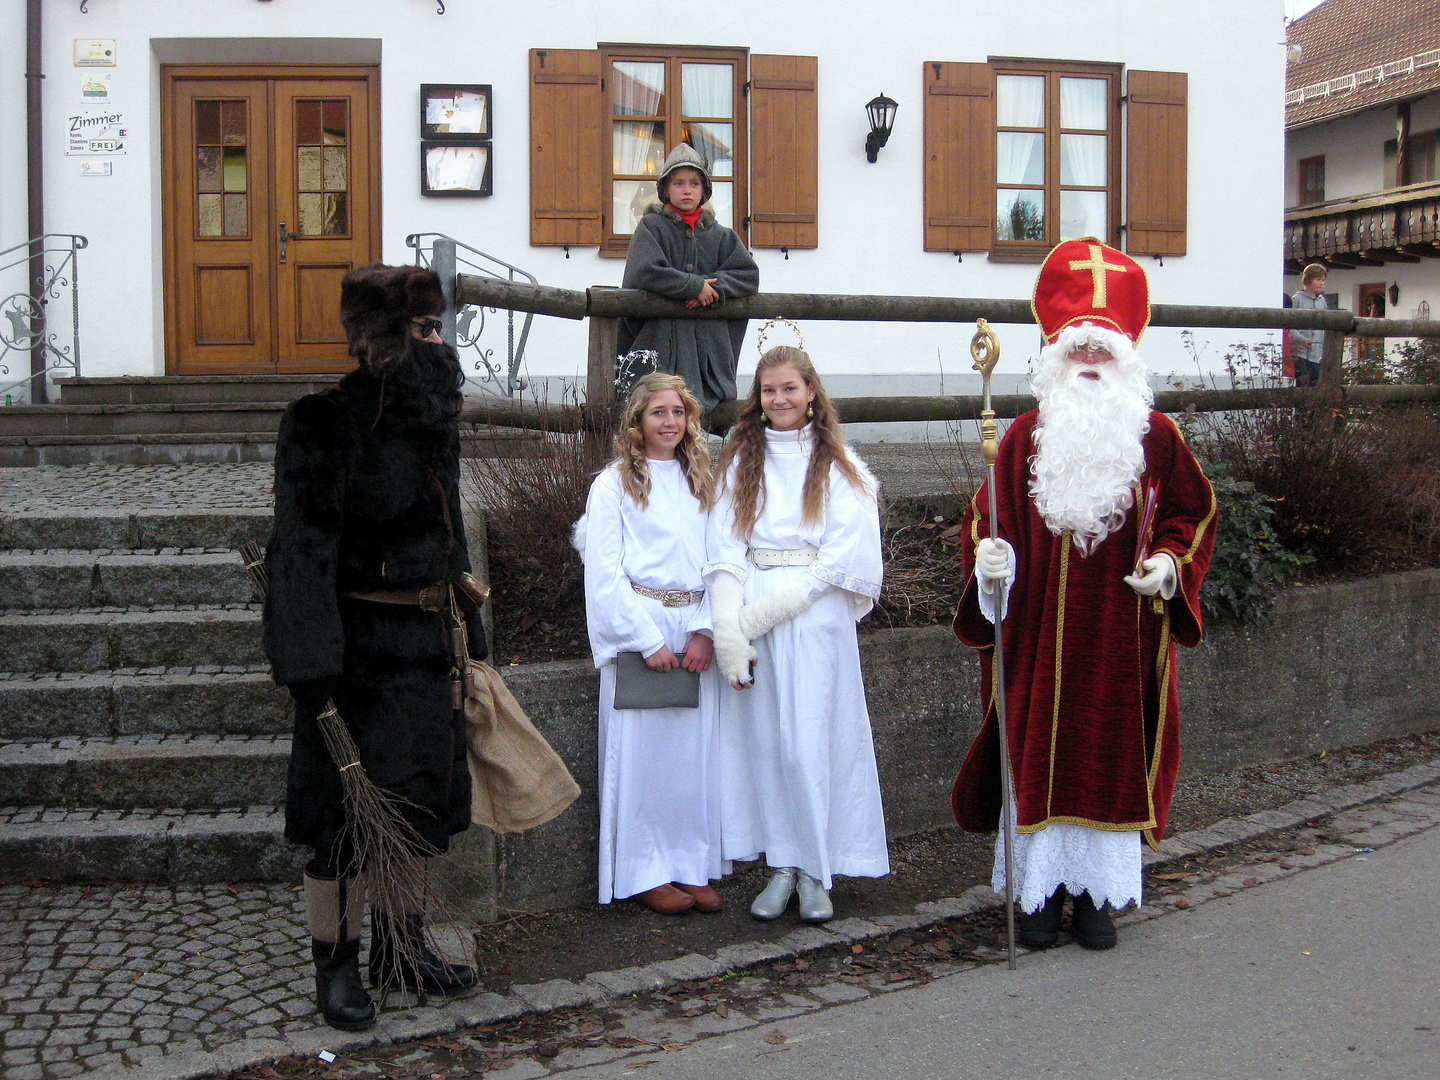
x: 530, y: 502
x: 1353, y: 490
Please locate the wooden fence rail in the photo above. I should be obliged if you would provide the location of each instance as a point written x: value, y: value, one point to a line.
x: 605, y: 306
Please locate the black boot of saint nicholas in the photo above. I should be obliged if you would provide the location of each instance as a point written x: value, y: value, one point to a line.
x: 1041, y: 928
x: 1092, y: 927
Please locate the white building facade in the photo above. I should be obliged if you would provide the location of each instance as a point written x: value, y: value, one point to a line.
x: 228, y: 160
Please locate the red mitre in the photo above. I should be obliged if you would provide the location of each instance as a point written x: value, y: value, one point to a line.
x: 1085, y: 281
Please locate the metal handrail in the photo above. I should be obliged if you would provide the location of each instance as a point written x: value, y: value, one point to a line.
x: 445, y: 255
x: 25, y: 324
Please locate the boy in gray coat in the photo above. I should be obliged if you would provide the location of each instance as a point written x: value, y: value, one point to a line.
x: 680, y: 251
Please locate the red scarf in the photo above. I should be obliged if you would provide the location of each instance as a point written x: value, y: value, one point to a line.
x: 689, y: 218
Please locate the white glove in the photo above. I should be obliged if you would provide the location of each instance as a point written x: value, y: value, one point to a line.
x: 1159, y: 577
x: 758, y: 618
x: 994, y: 561
x: 733, y: 652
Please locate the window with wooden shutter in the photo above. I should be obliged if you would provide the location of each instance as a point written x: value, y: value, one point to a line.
x: 656, y: 97
x: 784, y: 162
x: 565, y: 143
x: 1157, y: 192
x: 959, y: 123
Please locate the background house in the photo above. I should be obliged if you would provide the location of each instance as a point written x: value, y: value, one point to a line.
x: 1362, y: 191
x: 266, y: 147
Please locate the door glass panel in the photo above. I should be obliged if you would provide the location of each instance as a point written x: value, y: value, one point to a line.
x: 207, y: 169
x: 723, y: 203
x: 221, y: 166
x: 707, y: 90
x: 309, y: 116
x: 639, y: 88
x: 322, y: 167
x: 236, y: 214
x: 233, y: 126
x: 210, y: 216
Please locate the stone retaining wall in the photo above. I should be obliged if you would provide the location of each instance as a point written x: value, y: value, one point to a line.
x: 1338, y: 665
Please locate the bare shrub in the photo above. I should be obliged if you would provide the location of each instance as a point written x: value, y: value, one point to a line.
x: 530, y: 502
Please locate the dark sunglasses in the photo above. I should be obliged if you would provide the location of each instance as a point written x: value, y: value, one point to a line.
x: 427, y: 326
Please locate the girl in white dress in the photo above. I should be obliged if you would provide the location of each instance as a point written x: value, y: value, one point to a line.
x: 643, y: 542
x: 793, y: 563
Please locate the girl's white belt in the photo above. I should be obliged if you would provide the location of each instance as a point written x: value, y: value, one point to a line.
x: 768, y: 557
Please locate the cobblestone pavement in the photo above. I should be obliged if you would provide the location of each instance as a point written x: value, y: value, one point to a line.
x: 905, y: 469
x: 161, y: 983
x: 108, y: 489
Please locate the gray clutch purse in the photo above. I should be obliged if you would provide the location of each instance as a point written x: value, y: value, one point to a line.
x: 637, y: 686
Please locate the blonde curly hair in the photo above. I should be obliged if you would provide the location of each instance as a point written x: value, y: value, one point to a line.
x: 691, y: 452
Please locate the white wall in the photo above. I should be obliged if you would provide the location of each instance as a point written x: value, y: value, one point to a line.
x: 870, y: 215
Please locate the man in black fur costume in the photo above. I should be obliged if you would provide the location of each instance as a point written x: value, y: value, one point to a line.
x: 367, y: 514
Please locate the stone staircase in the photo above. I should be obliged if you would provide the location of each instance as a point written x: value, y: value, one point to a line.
x: 141, y: 738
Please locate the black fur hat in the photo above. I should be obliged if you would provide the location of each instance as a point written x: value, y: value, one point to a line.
x: 377, y: 303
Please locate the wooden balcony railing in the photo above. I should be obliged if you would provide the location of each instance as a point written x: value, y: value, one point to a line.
x: 1400, y: 225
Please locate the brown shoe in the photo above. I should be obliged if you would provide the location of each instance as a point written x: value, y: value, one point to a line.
x: 706, y: 898
x: 666, y: 899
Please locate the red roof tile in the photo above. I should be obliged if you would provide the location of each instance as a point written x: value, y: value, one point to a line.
x: 1365, y: 53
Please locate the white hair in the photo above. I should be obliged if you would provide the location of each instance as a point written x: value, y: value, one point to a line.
x: 1088, y: 439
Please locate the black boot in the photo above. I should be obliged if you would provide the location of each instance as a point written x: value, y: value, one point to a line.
x: 1092, y: 927
x: 1041, y: 929
x: 400, y: 956
x: 339, y: 995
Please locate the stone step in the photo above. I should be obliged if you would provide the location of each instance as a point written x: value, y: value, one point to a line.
x: 96, y: 640
x: 177, y: 389
x: 180, y: 701
x: 187, y: 418
x: 228, y: 448
x: 146, y: 845
x: 43, y: 580
x: 151, y: 529
x: 177, y: 771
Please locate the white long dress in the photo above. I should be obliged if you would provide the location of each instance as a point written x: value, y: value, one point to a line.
x: 659, y: 768
x: 800, y: 782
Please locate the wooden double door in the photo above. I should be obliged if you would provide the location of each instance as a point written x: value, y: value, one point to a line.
x: 271, y: 194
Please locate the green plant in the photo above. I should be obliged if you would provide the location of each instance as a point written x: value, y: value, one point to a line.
x: 1415, y: 361
x: 1249, y: 564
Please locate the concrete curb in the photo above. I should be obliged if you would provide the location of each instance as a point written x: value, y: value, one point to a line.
x: 488, y: 1008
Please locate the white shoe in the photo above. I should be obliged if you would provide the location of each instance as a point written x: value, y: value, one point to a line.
x: 771, y: 903
x: 815, y: 903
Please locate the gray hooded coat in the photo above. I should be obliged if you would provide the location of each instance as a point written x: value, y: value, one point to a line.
x: 667, y: 259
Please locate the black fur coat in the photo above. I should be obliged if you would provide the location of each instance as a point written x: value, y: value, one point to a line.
x: 367, y: 499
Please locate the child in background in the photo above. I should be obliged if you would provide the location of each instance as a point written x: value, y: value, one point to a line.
x: 680, y: 251
x: 794, y: 562
x: 643, y: 542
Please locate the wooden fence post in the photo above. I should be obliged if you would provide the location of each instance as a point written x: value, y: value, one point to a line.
x: 1332, y: 356
x: 600, y: 380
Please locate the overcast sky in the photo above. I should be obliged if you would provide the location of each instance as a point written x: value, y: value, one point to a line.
x: 1295, y: 8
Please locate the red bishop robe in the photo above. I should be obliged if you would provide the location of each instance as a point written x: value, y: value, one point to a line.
x: 1092, y: 700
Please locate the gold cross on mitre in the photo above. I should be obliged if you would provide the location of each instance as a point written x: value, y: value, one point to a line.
x: 1097, y: 266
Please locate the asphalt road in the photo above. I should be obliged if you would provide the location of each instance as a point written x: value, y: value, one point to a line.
x: 1329, y: 973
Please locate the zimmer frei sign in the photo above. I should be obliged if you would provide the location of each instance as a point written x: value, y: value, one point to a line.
x: 96, y: 133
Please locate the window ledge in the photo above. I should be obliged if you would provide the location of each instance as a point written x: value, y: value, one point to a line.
x: 1017, y: 256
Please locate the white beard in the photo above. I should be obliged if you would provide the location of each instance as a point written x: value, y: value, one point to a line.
x: 1089, y: 452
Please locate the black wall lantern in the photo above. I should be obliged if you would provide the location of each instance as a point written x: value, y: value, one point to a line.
x: 1394, y: 292
x: 881, y: 111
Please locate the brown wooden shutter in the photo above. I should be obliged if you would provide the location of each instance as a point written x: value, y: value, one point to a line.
x: 565, y: 143
x: 1156, y: 189
x: 784, y: 152
x: 959, y: 157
